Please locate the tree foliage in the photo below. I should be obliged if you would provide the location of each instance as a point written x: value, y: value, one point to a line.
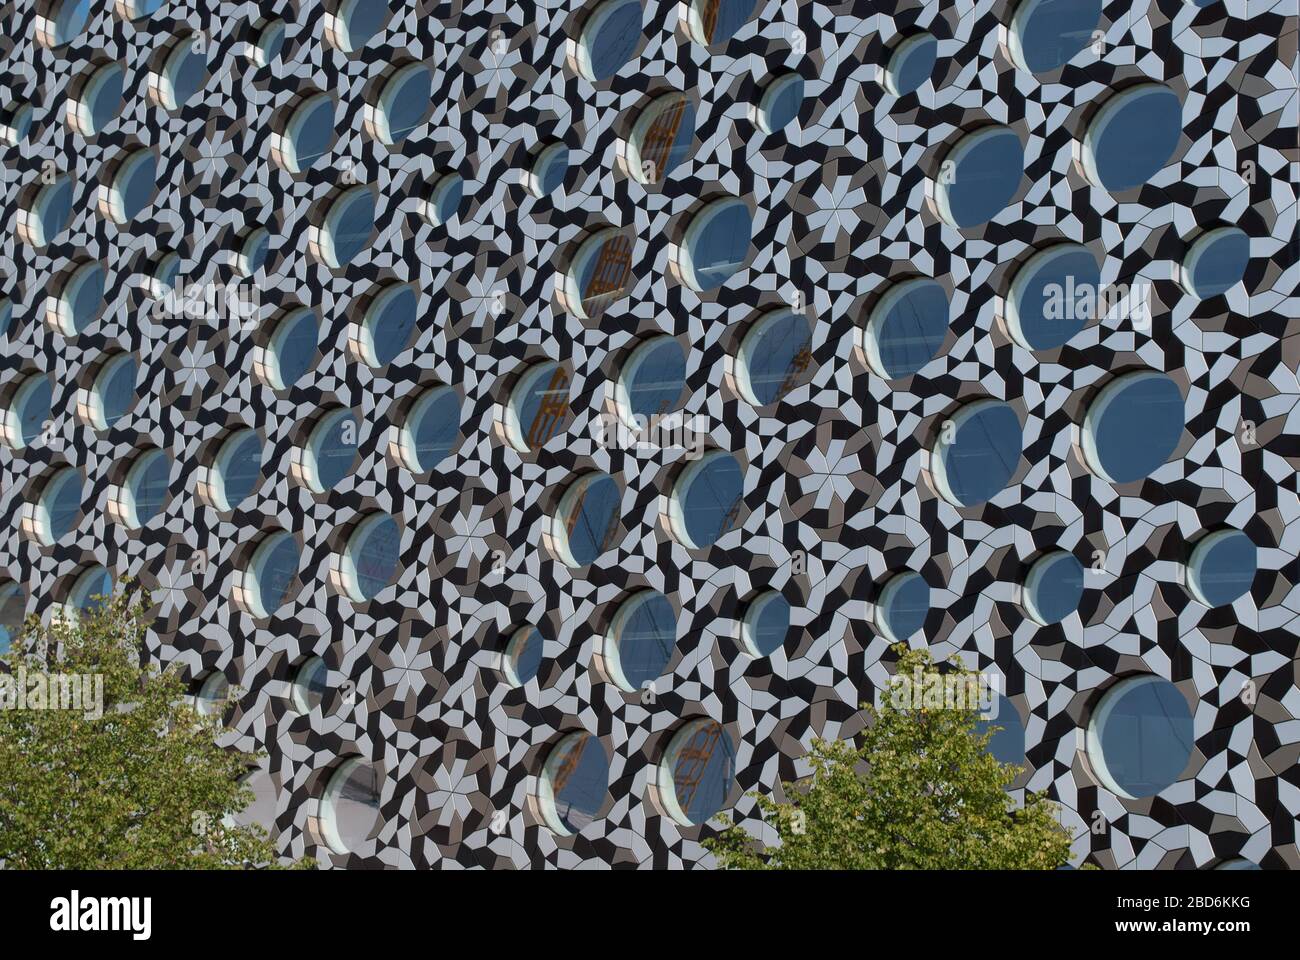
x: 920, y: 791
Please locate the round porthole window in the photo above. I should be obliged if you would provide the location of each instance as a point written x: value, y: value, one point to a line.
x: 132, y: 187
x: 182, y: 73
x: 706, y: 499
x: 715, y: 244
x: 766, y: 624
x: 304, y: 133
x: 911, y: 64
x: 349, y: 808
x: 522, y: 658
x: 697, y: 772
x: 58, y: 508
x: 88, y: 592
x: 661, y: 137
x: 538, y: 407
x: 404, y: 102
x: 1053, y: 587
x: 59, y: 22
x: 549, y: 170
x: 652, y: 380
x: 268, y: 581
x: 351, y: 24
x: 13, y: 608
x: 330, y: 453
x: 137, y: 9
x: 73, y: 308
x: 773, y: 356
x: 640, y: 641
x: 162, y: 279
x: 572, y: 786
x: 1237, y: 863
x: 347, y: 224
x: 1133, y: 426
x: 1140, y: 736
x: 369, y: 560
x: 1053, y: 296
x: 1007, y: 745
x: 97, y: 99
x: 6, y: 315
x: 902, y: 606
x: 269, y: 43
x: 211, y: 698
x: 236, y: 470
x: 386, y: 325
x: 253, y: 249
x: 112, y: 393
x: 48, y: 212
x: 976, y: 453
x: 143, y: 491
x: 1215, y: 262
x: 28, y: 411
x: 1132, y: 137
x: 608, y: 39
x: 600, y: 273
x: 586, y: 520
x: 716, y: 21
x: 1222, y: 567
x: 979, y: 176
x: 310, y: 685
x: 444, y: 199
x: 779, y: 104
x: 906, y: 328
x: 431, y: 429
x: 16, y: 123
x: 1046, y: 34
x: 290, y: 349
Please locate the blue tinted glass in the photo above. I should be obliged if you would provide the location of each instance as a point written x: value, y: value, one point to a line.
x: 1222, y: 567
x: 92, y: 585
x: 276, y: 568
x: 447, y: 196
x: 13, y: 605
x: 1133, y: 426
x: 294, y: 345
x: 912, y: 64
x: 391, y: 321
x: 727, y: 16
x: 1054, y: 587
x: 333, y: 454
x: 434, y: 425
x: 62, y: 501
x: 70, y: 18
x: 1216, y: 262
x: 578, y: 772
x: 148, y: 484
x: 781, y: 102
x: 406, y: 100
x: 524, y: 654
x: 350, y: 222
x: 1144, y: 731
x: 601, y: 268
x: 552, y: 168
x: 985, y: 173
x: 117, y: 389
x: 716, y: 243
x: 1007, y: 744
x: 312, y: 130
x: 256, y: 246
x: 1133, y: 136
x: 137, y: 181
x: 272, y: 40
x: 767, y: 624
x: 702, y: 762
x: 611, y: 36
x: 86, y: 294
x: 1046, y: 34
x: 645, y: 635
x: 6, y: 315
x: 187, y: 71
x: 1235, y: 864
x: 33, y: 400
x: 983, y: 453
x: 708, y: 494
x: 103, y: 96
x: 663, y: 135
x: 904, y: 605
x: 1053, y: 296
x: 590, y: 517
x: 775, y: 354
x: 654, y: 377
x: 54, y: 207
x: 907, y: 328
x: 240, y: 463
x: 363, y: 19
x: 540, y: 401
x: 373, y: 550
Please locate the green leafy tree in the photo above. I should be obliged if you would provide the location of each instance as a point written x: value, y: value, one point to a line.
x: 920, y: 791
x: 115, y: 770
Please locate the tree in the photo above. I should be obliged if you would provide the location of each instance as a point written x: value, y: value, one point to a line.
x: 104, y: 762
x: 921, y: 791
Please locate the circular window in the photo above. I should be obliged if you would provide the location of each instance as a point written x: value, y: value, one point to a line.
x: 405, y: 101
x: 773, y: 356
x: 1132, y: 137
x: 13, y: 607
x: 715, y: 244
x: 28, y: 411
x: 346, y: 227
x: 162, y: 280
x: 911, y: 64
x: 444, y: 199
x: 307, y: 133
x: 112, y: 393
x: 766, y: 624
x: 902, y: 607
x: 6, y: 315
x: 80, y: 301
x: 58, y: 508
x: 132, y: 187
x: 652, y: 380
x: 609, y: 38
x: 59, y: 22
x: 1046, y: 34
x: 1215, y: 262
x: 269, y: 42
x: 290, y: 349
x: 549, y: 170
x: 271, y: 575
x: 386, y: 326
x: 97, y: 99
x: 600, y: 273
x: 431, y: 429
x: 706, y: 499
x: 906, y: 328
x: 661, y: 137
x: 253, y: 249
x: 310, y: 685
x: 1053, y: 587
x: 1222, y: 567
x: 1133, y: 426
x: 183, y: 73
x: 211, y: 698
x: 697, y: 771
x: 89, y: 590
x: 586, y: 520
x: 143, y: 492
x: 1008, y: 742
x: 1140, y: 736
x: 369, y: 560
x: 352, y: 23
x: 236, y: 469
x: 977, y: 453
x: 330, y: 453
x: 1237, y: 863
x: 779, y: 105
x: 716, y: 21
x: 1053, y: 296
x: 349, y: 808
x: 538, y: 407
x: 979, y: 176
x: 48, y: 213
x: 640, y: 640
x: 138, y: 9
x: 572, y: 786
x: 523, y: 656
x: 16, y: 123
